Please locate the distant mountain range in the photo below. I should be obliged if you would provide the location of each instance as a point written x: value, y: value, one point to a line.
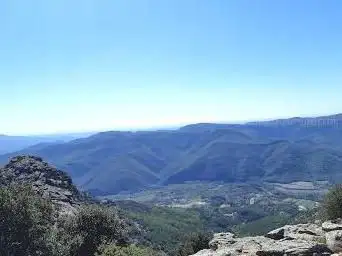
x: 287, y: 150
x: 15, y: 143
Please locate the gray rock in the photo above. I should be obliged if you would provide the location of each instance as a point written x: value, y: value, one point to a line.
x: 293, y: 247
x: 263, y: 246
x: 221, y: 240
x: 334, y: 240
x: 46, y: 180
x: 208, y: 252
x: 309, y: 232
x: 290, y: 240
x: 332, y: 225
x: 276, y: 234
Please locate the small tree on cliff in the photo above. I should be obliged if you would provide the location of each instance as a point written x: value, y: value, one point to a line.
x: 332, y: 204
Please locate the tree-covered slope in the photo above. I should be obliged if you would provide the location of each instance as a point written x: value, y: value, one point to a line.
x: 280, y: 161
x: 111, y: 162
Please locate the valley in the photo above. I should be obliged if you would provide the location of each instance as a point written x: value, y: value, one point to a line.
x: 171, y: 128
x: 199, y: 179
x: 229, y: 205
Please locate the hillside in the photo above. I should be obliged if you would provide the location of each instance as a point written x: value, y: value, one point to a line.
x: 279, y: 161
x: 111, y: 162
x: 15, y: 143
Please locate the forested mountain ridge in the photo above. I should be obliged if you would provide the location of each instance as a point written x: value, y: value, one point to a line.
x: 281, y: 151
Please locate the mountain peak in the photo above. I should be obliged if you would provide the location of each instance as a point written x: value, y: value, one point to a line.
x: 46, y: 180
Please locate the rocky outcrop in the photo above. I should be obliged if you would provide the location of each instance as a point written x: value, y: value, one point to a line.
x: 46, y: 180
x: 221, y: 240
x: 309, y: 232
x: 332, y: 225
x: 334, y: 240
x: 333, y: 235
x: 290, y: 240
x: 263, y: 246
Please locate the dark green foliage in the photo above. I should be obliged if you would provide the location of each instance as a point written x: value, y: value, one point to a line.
x: 30, y: 226
x: 332, y: 204
x: 194, y: 243
x: 102, y: 229
x: 217, y: 200
x: 130, y: 250
x: 241, y: 208
x: 25, y: 222
x: 167, y: 227
x: 92, y: 226
x: 262, y: 226
x: 307, y: 216
x: 39, y: 215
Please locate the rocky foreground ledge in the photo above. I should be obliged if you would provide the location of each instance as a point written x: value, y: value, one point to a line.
x: 290, y: 240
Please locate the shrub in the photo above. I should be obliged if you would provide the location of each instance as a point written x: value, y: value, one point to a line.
x: 131, y: 250
x: 26, y: 221
x: 167, y: 227
x: 193, y: 243
x: 332, y: 204
x: 92, y: 226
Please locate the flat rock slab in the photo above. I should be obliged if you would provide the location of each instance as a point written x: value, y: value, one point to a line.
x: 264, y: 246
x: 309, y: 232
x: 332, y: 225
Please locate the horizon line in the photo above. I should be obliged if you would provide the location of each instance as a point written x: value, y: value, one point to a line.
x: 155, y: 127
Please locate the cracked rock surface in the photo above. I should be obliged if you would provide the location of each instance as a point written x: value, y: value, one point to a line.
x: 290, y: 240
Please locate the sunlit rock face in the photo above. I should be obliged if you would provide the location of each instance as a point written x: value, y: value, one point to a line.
x: 46, y: 180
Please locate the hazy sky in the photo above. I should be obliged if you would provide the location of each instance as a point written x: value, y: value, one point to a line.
x: 98, y: 65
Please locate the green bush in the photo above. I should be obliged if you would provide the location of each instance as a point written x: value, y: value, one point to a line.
x: 332, y: 204
x: 30, y: 226
x: 261, y: 226
x: 167, y: 227
x: 194, y: 242
x: 92, y: 226
x: 131, y: 250
x: 25, y: 222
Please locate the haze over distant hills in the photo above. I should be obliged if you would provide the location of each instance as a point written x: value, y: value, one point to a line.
x: 287, y: 150
x: 14, y: 143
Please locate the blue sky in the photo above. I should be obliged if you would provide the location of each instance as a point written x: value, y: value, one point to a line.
x: 98, y: 65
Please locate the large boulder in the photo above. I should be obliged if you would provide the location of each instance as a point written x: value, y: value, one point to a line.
x: 332, y: 225
x: 221, y: 240
x: 333, y: 235
x: 308, y: 232
x: 293, y: 247
x: 228, y: 245
x: 334, y: 240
